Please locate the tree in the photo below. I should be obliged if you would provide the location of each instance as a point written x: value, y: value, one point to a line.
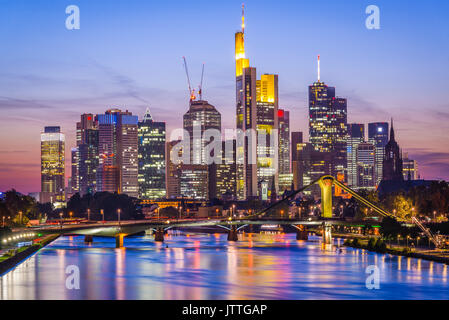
x: 169, y: 212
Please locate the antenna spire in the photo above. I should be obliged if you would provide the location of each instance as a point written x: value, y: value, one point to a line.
x: 243, y: 18
x: 147, y: 116
x: 319, y: 69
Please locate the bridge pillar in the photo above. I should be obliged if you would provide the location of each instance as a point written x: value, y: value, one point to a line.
x: 326, y: 196
x: 302, y: 234
x: 119, y: 240
x: 327, y: 233
x: 88, y: 239
x: 233, y: 234
x: 159, y: 235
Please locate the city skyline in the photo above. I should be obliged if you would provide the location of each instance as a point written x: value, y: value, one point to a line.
x: 33, y: 99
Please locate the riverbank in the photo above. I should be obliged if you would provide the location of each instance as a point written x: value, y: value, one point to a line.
x: 16, y: 256
x: 440, y: 256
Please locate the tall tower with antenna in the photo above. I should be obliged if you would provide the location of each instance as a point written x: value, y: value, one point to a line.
x: 328, y: 126
x: 246, y: 112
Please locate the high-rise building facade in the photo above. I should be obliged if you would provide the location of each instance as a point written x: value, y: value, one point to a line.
x: 392, y: 162
x: 200, y: 122
x: 151, y: 158
x: 52, y: 165
x: 194, y: 181
x: 366, y: 160
x: 285, y: 175
x: 86, y: 123
x: 328, y: 124
x: 410, y: 169
x: 296, y: 146
x: 200, y: 117
x: 310, y: 166
x: 118, y: 152
x: 88, y: 162
x: 222, y: 176
x: 378, y: 136
x: 267, y: 119
x: 356, y: 136
x: 247, y: 123
x: 246, y: 113
x: 173, y: 174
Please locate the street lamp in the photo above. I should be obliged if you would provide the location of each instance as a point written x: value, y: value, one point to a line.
x: 102, y: 213
x: 118, y: 213
x: 60, y: 216
x: 88, y: 214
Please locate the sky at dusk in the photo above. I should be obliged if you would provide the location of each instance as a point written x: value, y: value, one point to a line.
x: 128, y: 54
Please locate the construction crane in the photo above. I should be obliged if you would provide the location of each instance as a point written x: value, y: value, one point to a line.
x: 191, y: 91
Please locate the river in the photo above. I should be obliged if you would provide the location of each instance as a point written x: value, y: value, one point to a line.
x: 203, y: 266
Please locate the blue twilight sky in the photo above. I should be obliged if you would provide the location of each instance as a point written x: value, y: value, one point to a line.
x: 129, y: 54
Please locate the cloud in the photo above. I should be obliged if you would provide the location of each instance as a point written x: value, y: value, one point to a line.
x: 6, y: 167
x: 8, y: 103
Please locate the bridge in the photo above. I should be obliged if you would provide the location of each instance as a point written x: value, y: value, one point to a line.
x: 119, y: 230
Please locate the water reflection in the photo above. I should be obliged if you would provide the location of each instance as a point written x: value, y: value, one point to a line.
x: 266, y: 266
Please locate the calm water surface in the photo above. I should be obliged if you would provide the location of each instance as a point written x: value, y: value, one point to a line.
x: 208, y: 267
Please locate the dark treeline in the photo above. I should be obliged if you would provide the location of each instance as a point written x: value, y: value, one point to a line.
x: 17, y: 209
x: 110, y: 203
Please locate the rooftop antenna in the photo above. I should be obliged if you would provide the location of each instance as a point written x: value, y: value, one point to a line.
x: 243, y: 18
x: 191, y: 92
x: 319, y: 70
x: 200, y: 88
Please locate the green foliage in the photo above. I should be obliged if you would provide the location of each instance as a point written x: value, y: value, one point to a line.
x: 371, y: 243
x: 390, y: 228
x: 356, y: 243
x: 169, y: 212
x: 380, y: 246
x: 18, y: 209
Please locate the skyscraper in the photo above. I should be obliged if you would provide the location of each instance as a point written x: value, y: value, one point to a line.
x: 366, y: 159
x: 267, y: 132
x: 222, y: 176
x: 378, y: 136
x: 74, y: 181
x: 86, y: 123
x: 173, y: 174
x: 296, y: 146
x: 285, y: 175
x: 151, y: 158
x: 310, y: 166
x: 410, y: 169
x: 356, y: 136
x: 52, y: 165
x: 88, y: 162
x: 328, y: 123
x: 118, y: 152
x: 246, y: 107
x: 392, y: 163
x: 200, y: 117
x: 194, y: 181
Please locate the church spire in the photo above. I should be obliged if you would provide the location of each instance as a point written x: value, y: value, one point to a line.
x: 392, y: 131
